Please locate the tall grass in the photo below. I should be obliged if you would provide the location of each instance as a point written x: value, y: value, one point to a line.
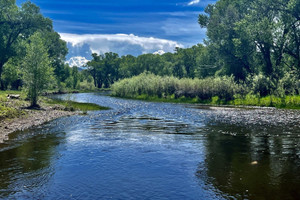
x: 162, y: 87
x: 211, y: 90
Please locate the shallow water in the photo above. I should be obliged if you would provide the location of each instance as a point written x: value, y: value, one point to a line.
x: 144, y: 150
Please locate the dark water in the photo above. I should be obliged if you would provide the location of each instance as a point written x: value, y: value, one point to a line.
x: 143, y: 150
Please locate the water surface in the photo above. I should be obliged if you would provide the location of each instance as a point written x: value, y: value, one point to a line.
x: 144, y: 150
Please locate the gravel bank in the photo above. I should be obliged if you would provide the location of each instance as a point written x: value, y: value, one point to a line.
x: 33, y: 118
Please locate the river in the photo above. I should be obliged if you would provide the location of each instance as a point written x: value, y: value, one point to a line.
x: 145, y: 150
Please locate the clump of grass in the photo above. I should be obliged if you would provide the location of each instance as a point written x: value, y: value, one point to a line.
x: 10, y: 112
x: 73, y: 106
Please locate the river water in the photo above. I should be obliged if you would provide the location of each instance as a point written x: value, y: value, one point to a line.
x: 144, y: 150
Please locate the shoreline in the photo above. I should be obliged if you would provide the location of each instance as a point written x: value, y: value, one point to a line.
x: 32, y: 119
x: 264, y: 102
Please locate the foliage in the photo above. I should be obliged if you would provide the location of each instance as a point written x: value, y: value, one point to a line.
x: 190, y: 63
x: 16, y: 25
x: 261, y: 85
x: 104, y: 69
x: 153, y: 85
x: 72, y: 106
x: 9, y: 108
x: 254, y: 36
x: 37, y: 68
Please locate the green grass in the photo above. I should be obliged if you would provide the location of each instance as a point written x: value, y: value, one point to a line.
x: 13, y: 108
x: 287, y: 102
x: 72, y: 105
x: 10, y: 108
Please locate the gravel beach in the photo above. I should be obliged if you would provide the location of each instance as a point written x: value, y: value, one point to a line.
x: 31, y: 119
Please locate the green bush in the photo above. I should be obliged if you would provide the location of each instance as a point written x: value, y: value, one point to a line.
x: 261, y: 85
x: 289, y: 84
x: 86, y: 86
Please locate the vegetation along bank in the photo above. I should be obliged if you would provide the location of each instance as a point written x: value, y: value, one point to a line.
x: 211, y: 90
x: 16, y: 115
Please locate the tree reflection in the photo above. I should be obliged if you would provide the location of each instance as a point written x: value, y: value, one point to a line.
x: 27, y: 164
x: 253, y: 162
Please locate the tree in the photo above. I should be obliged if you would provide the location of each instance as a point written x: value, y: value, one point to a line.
x: 16, y: 25
x: 104, y: 69
x: 251, y: 37
x: 75, y: 75
x: 233, y: 51
x: 36, y: 67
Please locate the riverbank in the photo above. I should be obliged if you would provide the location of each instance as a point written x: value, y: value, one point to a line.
x: 211, y: 90
x: 31, y: 118
x: 16, y: 116
x: 288, y: 102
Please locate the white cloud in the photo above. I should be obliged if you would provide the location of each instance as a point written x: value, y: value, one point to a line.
x: 193, y: 2
x: 122, y: 44
x: 159, y: 52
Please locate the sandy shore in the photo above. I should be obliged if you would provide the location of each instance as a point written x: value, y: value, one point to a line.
x: 33, y: 118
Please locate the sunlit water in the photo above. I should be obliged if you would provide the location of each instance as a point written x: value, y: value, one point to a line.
x: 144, y: 150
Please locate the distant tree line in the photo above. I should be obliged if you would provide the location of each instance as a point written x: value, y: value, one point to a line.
x: 191, y: 62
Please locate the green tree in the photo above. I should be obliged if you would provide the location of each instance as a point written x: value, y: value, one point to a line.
x: 11, y: 77
x: 37, y: 68
x: 104, y: 69
x: 233, y: 51
x: 75, y: 75
x: 16, y: 25
x: 254, y: 36
x: 57, y: 51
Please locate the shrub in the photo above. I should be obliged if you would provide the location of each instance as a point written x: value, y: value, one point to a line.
x: 289, y: 84
x: 261, y: 85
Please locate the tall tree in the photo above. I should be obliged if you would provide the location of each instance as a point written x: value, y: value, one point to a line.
x: 220, y: 20
x: 16, y: 25
x: 254, y: 36
x: 36, y: 68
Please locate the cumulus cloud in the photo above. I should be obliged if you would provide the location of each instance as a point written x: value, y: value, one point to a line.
x: 193, y: 2
x: 122, y: 44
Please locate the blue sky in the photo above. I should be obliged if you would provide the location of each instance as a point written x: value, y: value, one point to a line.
x: 136, y: 20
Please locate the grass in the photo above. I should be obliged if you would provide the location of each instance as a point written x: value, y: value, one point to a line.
x: 287, y: 102
x: 10, y: 108
x: 72, y: 105
x: 211, y: 90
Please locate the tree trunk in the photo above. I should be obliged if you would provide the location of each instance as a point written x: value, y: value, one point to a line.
x: 268, y: 69
x: 1, y: 70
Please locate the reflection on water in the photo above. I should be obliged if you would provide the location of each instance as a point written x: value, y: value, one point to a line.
x: 252, y: 166
x: 143, y: 150
x: 26, y: 164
